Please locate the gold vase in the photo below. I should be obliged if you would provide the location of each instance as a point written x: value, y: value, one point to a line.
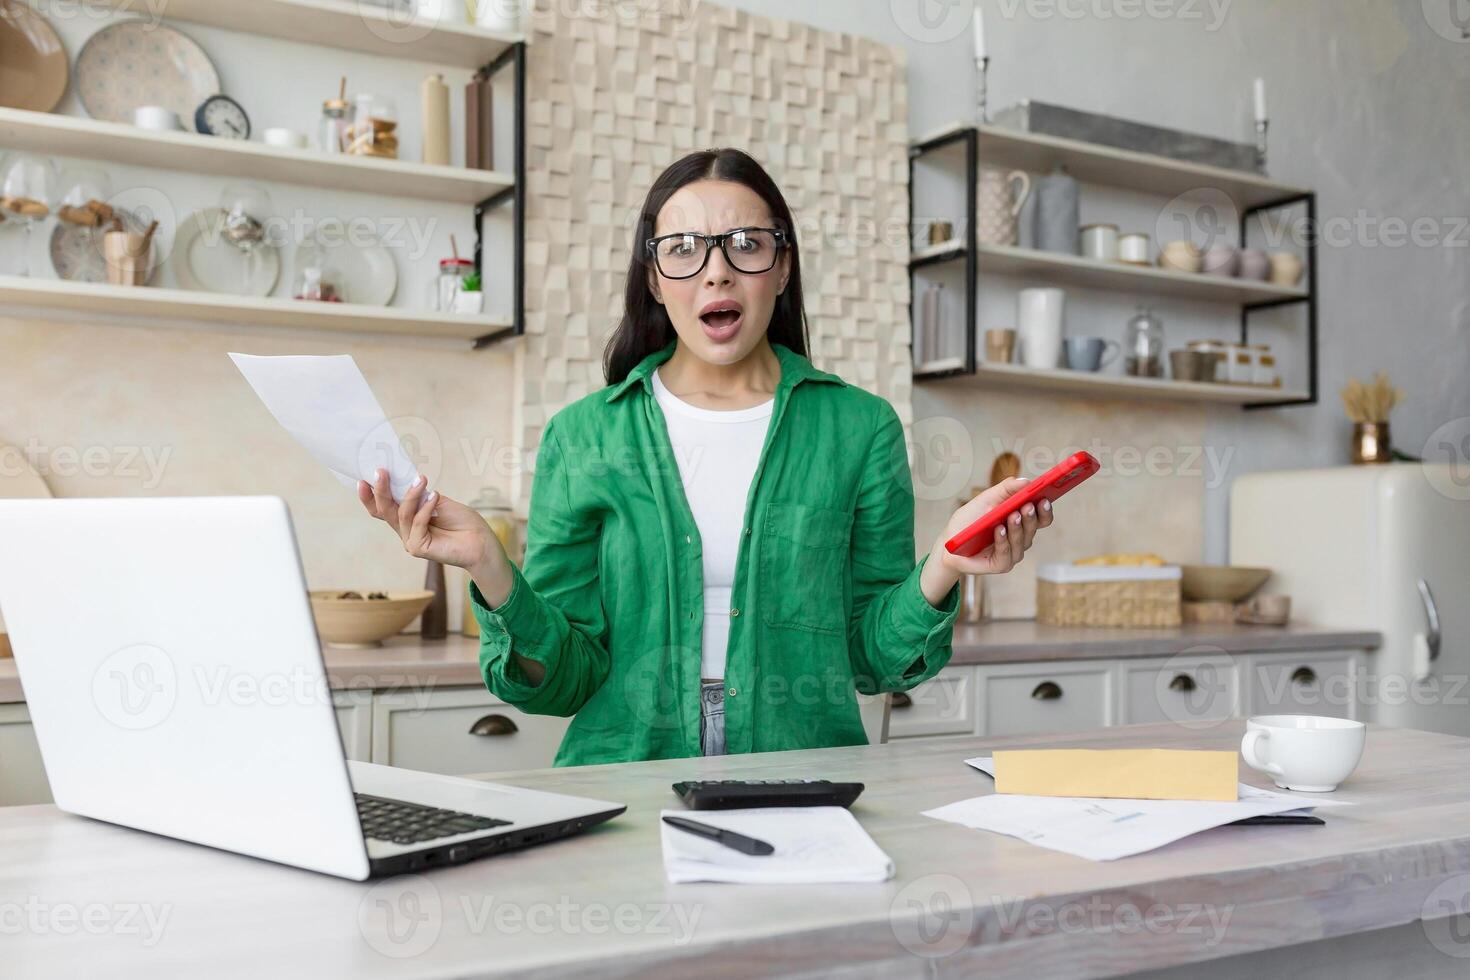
x: 1370, y: 443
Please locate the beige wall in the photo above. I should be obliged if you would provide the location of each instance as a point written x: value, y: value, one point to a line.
x: 114, y: 410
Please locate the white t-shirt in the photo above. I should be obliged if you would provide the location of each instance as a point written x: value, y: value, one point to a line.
x: 717, y: 453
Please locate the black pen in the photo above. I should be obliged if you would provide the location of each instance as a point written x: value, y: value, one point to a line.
x: 739, y: 842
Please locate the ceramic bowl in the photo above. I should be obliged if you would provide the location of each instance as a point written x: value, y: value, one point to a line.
x: 1221, y: 583
x: 1254, y: 264
x: 1181, y: 256
x: 1221, y: 260
x: 364, y: 623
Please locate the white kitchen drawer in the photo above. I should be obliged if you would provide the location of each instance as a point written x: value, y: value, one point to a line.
x: 355, y: 719
x: 1065, y: 696
x: 1186, y: 689
x: 22, y: 777
x: 942, y: 705
x: 1316, y: 683
x: 431, y: 730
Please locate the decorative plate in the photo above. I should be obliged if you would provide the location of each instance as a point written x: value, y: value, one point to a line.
x: 203, y: 261
x: 131, y: 64
x: 33, y: 68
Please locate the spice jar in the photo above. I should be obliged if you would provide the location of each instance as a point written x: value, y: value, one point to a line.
x: 331, y: 134
x: 449, y: 283
x: 314, y: 280
x: 374, y: 129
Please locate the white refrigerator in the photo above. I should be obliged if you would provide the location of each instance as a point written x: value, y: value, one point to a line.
x: 1383, y: 547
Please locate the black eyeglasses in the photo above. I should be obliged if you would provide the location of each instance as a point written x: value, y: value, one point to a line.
x: 684, y: 254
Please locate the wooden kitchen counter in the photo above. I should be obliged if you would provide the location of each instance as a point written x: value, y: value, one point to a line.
x: 407, y: 662
x: 598, y: 905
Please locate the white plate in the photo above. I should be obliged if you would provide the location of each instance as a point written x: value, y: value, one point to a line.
x: 203, y: 261
x: 368, y: 274
x: 134, y: 63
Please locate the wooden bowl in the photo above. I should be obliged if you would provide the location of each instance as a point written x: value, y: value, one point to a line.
x: 1221, y: 583
x: 360, y: 624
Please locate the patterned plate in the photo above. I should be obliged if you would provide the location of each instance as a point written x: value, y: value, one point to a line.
x: 129, y: 64
x: 76, y: 253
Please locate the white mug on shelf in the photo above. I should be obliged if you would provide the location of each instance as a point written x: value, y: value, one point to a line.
x: 157, y: 118
x: 1039, y: 319
x: 1305, y: 753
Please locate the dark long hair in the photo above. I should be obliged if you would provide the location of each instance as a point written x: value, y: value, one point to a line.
x: 646, y: 326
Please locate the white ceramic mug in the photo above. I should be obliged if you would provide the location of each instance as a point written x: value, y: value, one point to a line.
x: 1040, y: 314
x: 1305, y: 753
x: 156, y: 117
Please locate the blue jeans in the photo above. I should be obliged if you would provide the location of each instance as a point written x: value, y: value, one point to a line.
x: 712, y: 717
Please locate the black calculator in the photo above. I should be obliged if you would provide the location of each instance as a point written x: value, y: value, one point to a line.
x: 737, y: 794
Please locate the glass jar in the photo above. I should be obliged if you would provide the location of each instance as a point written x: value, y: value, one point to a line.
x: 493, y: 507
x: 315, y: 281
x: 374, y: 129
x: 449, y: 283
x: 1143, y: 345
x: 331, y: 134
x: 1217, y: 351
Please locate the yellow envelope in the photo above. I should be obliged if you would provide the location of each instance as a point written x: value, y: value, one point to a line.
x: 1131, y: 774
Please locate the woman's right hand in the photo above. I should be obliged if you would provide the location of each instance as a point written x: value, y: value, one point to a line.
x: 432, y: 526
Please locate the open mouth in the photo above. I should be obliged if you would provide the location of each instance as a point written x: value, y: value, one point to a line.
x: 721, y: 319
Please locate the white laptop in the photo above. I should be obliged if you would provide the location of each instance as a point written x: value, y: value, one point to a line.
x: 172, y: 672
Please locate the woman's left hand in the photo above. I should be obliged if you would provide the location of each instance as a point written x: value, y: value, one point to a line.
x: 1011, y: 540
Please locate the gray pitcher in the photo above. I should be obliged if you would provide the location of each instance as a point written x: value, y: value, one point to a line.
x: 1056, y: 214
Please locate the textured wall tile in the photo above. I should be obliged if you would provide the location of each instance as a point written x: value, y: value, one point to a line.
x: 611, y: 103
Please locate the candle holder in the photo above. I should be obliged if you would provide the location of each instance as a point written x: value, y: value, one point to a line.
x: 982, y: 95
x: 1262, y: 126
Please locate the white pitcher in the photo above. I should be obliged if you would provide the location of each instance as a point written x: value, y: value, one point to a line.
x: 1040, y: 315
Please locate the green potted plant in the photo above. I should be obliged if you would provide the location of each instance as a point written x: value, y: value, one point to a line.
x: 469, y: 299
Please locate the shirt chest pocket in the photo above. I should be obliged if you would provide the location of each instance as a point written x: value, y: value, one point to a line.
x: 804, y: 558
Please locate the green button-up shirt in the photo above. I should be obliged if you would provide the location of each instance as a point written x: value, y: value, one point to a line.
x: 825, y: 602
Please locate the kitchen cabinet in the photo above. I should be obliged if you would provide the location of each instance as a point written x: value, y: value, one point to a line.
x: 22, y: 777
x: 1192, y: 690
x: 461, y: 730
x: 1018, y: 699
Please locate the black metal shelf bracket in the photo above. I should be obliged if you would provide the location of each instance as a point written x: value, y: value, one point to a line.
x: 970, y: 136
x: 514, y: 56
x: 1310, y: 300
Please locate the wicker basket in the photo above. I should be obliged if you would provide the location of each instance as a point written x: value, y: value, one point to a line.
x: 1073, y: 595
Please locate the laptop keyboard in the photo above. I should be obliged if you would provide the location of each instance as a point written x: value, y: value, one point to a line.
x: 412, y: 823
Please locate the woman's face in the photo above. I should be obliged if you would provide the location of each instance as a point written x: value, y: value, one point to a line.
x: 721, y: 314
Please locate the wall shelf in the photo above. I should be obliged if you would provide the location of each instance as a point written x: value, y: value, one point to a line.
x: 145, y: 303
x: 990, y: 375
x: 349, y: 25
x: 1095, y: 164
x: 41, y: 132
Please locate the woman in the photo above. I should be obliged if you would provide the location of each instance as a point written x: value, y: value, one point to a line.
x: 720, y: 546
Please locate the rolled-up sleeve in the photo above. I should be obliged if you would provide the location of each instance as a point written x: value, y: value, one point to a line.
x: 896, y: 637
x: 553, y: 614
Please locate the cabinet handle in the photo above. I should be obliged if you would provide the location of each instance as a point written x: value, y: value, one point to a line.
x: 494, y: 725
x: 1304, y: 675
x: 901, y: 700
x: 1047, y: 691
x: 1182, y: 682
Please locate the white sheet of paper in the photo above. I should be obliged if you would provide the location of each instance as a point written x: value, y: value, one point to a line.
x: 1104, y: 830
x: 326, y: 405
x: 814, y: 844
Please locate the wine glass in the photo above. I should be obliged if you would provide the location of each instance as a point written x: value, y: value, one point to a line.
x: 247, y: 208
x: 27, y: 190
x: 83, y: 203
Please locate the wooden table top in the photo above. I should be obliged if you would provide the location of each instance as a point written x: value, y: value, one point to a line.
x: 599, y: 905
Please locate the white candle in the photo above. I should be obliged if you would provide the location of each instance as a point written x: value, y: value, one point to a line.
x: 1260, y: 100
x: 980, y: 53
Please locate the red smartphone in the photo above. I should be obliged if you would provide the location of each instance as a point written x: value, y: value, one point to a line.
x: 1049, y: 486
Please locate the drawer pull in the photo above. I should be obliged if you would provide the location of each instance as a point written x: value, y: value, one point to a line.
x: 1047, y: 691
x: 1182, y: 682
x: 901, y: 700
x: 1304, y: 675
x: 494, y: 725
